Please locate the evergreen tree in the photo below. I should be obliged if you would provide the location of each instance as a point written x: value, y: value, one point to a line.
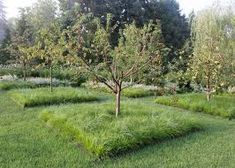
x: 175, y: 27
x: 2, y: 21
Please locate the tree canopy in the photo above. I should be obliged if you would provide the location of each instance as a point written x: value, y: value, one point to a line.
x: 174, y: 25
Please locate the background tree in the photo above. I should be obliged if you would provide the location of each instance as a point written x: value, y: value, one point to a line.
x: 42, y: 14
x: 5, y: 54
x: 137, y: 48
x: 174, y: 27
x: 228, y: 47
x: 2, y: 21
x: 4, y: 36
x: 22, y: 38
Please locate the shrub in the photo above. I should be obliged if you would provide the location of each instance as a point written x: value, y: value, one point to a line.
x: 43, y: 96
x: 70, y: 75
x: 10, y: 71
x: 221, y: 105
x: 30, y: 83
x: 61, y: 74
x: 95, y: 127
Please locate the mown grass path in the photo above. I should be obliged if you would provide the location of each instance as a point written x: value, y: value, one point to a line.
x: 26, y: 142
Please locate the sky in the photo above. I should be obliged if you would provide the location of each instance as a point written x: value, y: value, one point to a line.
x: 186, y: 5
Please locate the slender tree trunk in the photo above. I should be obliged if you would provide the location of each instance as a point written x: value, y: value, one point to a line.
x: 24, y: 71
x: 51, y: 89
x: 208, y: 94
x: 208, y: 89
x: 118, y: 100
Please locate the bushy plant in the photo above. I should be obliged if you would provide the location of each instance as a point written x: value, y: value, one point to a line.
x: 13, y: 71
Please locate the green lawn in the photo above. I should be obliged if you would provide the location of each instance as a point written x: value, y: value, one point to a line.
x: 96, y: 128
x: 221, y: 105
x: 43, y: 96
x: 26, y: 142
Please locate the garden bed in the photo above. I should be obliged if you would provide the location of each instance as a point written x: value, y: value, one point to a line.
x: 95, y: 127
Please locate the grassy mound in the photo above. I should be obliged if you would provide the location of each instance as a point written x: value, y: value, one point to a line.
x: 8, y: 85
x: 95, y: 128
x: 223, y: 105
x: 42, y: 96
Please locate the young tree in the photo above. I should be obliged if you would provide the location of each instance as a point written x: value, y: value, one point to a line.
x: 210, y: 47
x: 137, y: 48
x: 48, y: 48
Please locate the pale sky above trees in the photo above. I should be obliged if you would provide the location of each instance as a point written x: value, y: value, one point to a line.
x: 186, y: 5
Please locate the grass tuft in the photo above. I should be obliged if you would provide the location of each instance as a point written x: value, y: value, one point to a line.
x: 220, y: 105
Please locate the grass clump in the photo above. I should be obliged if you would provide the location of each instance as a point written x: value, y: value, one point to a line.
x: 8, y: 85
x: 220, y: 105
x: 95, y: 127
x: 43, y: 96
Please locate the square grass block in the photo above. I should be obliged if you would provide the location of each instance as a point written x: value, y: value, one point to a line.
x: 220, y: 105
x: 95, y: 127
x: 43, y: 96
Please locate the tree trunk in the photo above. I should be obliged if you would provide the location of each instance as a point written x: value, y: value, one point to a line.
x: 24, y: 71
x: 118, y: 100
x: 208, y: 95
x: 51, y: 89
